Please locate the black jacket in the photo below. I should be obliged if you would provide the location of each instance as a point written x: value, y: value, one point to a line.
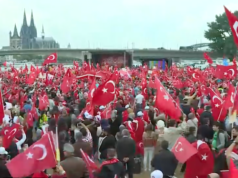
x: 205, y: 132
x: 4, y: 173
x: 111, y: 171
x: 206, y: 114
x: 108, y: 142
x: 166, y: 162
x: 126, y: 148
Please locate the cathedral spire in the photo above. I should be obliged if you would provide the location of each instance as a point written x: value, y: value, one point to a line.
x: 32, y: 19
x: 43, y: 32
x: 24, y: 18
x: 15, y: 32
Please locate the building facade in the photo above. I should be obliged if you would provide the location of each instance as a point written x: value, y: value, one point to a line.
x: 27, y: 39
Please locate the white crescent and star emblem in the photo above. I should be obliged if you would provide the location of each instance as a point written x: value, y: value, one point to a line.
x: 194, y: 76
x: 232, y: 72
x: 235, y: 27
x: 177, y: 149
x: 145, y: 90
x: 41, y: 146
x: 92, y: 92
x: 213, y: 99
x: 12, y: 132
x: 51, y: 57
x: 110, y: 81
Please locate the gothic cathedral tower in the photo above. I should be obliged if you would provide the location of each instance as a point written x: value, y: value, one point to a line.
x: 25, y: 37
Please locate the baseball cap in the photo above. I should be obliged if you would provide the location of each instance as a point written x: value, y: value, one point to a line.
x: 140, y: 113
x: 102, y: 107
x: 3, y: 151
x: 156, y: 174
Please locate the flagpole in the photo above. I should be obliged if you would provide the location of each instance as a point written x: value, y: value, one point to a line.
x: 57, y: 146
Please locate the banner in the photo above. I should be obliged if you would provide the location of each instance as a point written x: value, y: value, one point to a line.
x: 113, y: 60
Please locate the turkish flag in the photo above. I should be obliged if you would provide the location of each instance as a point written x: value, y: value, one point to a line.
x: 225, y: 72
x: 230, y: 98
x: 67, y: 81
x: 233, y: 170
x: 144, y: 88
x: 32, y: 69
x: 165, y: 103
x: 233, y: 22
x: 49, y: 79
x: 29, y: 119
x: 89, y: 162
x: 183, y: 150
x: 106, y: 92
x: 200, y: 164
x: 9, y: 133
x: 43, y: 103
x: 218, y: 112
x: 31, y: 79
x: 207, y: 58
x: 52, y: 58
x: 38, y: 157
x: 91, y: 90
x: 1, y: 108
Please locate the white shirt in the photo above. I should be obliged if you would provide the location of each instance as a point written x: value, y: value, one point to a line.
x: 193, y: 123
x: 139, y: 99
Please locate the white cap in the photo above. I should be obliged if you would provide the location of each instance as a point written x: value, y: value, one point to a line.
x: 102, y: 107
x: 3, y: 151
x: 127, y: 106
x: 87, y: 115
x: 156, y: 174
x: 147, y: 107
x: 140, y: 113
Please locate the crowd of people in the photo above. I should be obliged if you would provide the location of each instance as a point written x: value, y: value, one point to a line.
x: 117, y: 124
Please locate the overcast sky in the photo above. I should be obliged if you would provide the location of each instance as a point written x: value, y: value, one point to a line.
x: 115, y: 23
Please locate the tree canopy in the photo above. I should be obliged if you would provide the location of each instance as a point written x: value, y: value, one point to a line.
x: 220, y: 35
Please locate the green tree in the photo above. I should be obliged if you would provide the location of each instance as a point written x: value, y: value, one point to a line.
x: 220, y: 35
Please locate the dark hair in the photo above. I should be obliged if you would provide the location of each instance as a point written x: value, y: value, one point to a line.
x: 236, y: 128
x: 217, y: 124
x: 164, y: 144
x: 171, y: 123
x: 191, y: 130
x: 202, y: 105
x: 83, y: 131
x: 149, y: 127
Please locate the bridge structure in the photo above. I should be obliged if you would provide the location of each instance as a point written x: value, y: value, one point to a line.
x: 194, y: 47
x: 136, y: 54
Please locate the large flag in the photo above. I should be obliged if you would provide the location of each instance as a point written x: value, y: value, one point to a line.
x: 89, y: 162
x: 200, y: 164
x: 165, y: 103
x: 106, y: 92
x: 52, y: 58
x: 9, y: 133
x: 183, y: 150
x: 38, y: 157
x: 233, y: 22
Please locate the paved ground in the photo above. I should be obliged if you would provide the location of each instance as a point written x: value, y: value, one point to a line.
x: 147, y: 174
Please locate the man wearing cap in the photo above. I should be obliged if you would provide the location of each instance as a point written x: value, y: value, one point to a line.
x: 3, y: 168
x: 139, y: 126
x: 73, y: 166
